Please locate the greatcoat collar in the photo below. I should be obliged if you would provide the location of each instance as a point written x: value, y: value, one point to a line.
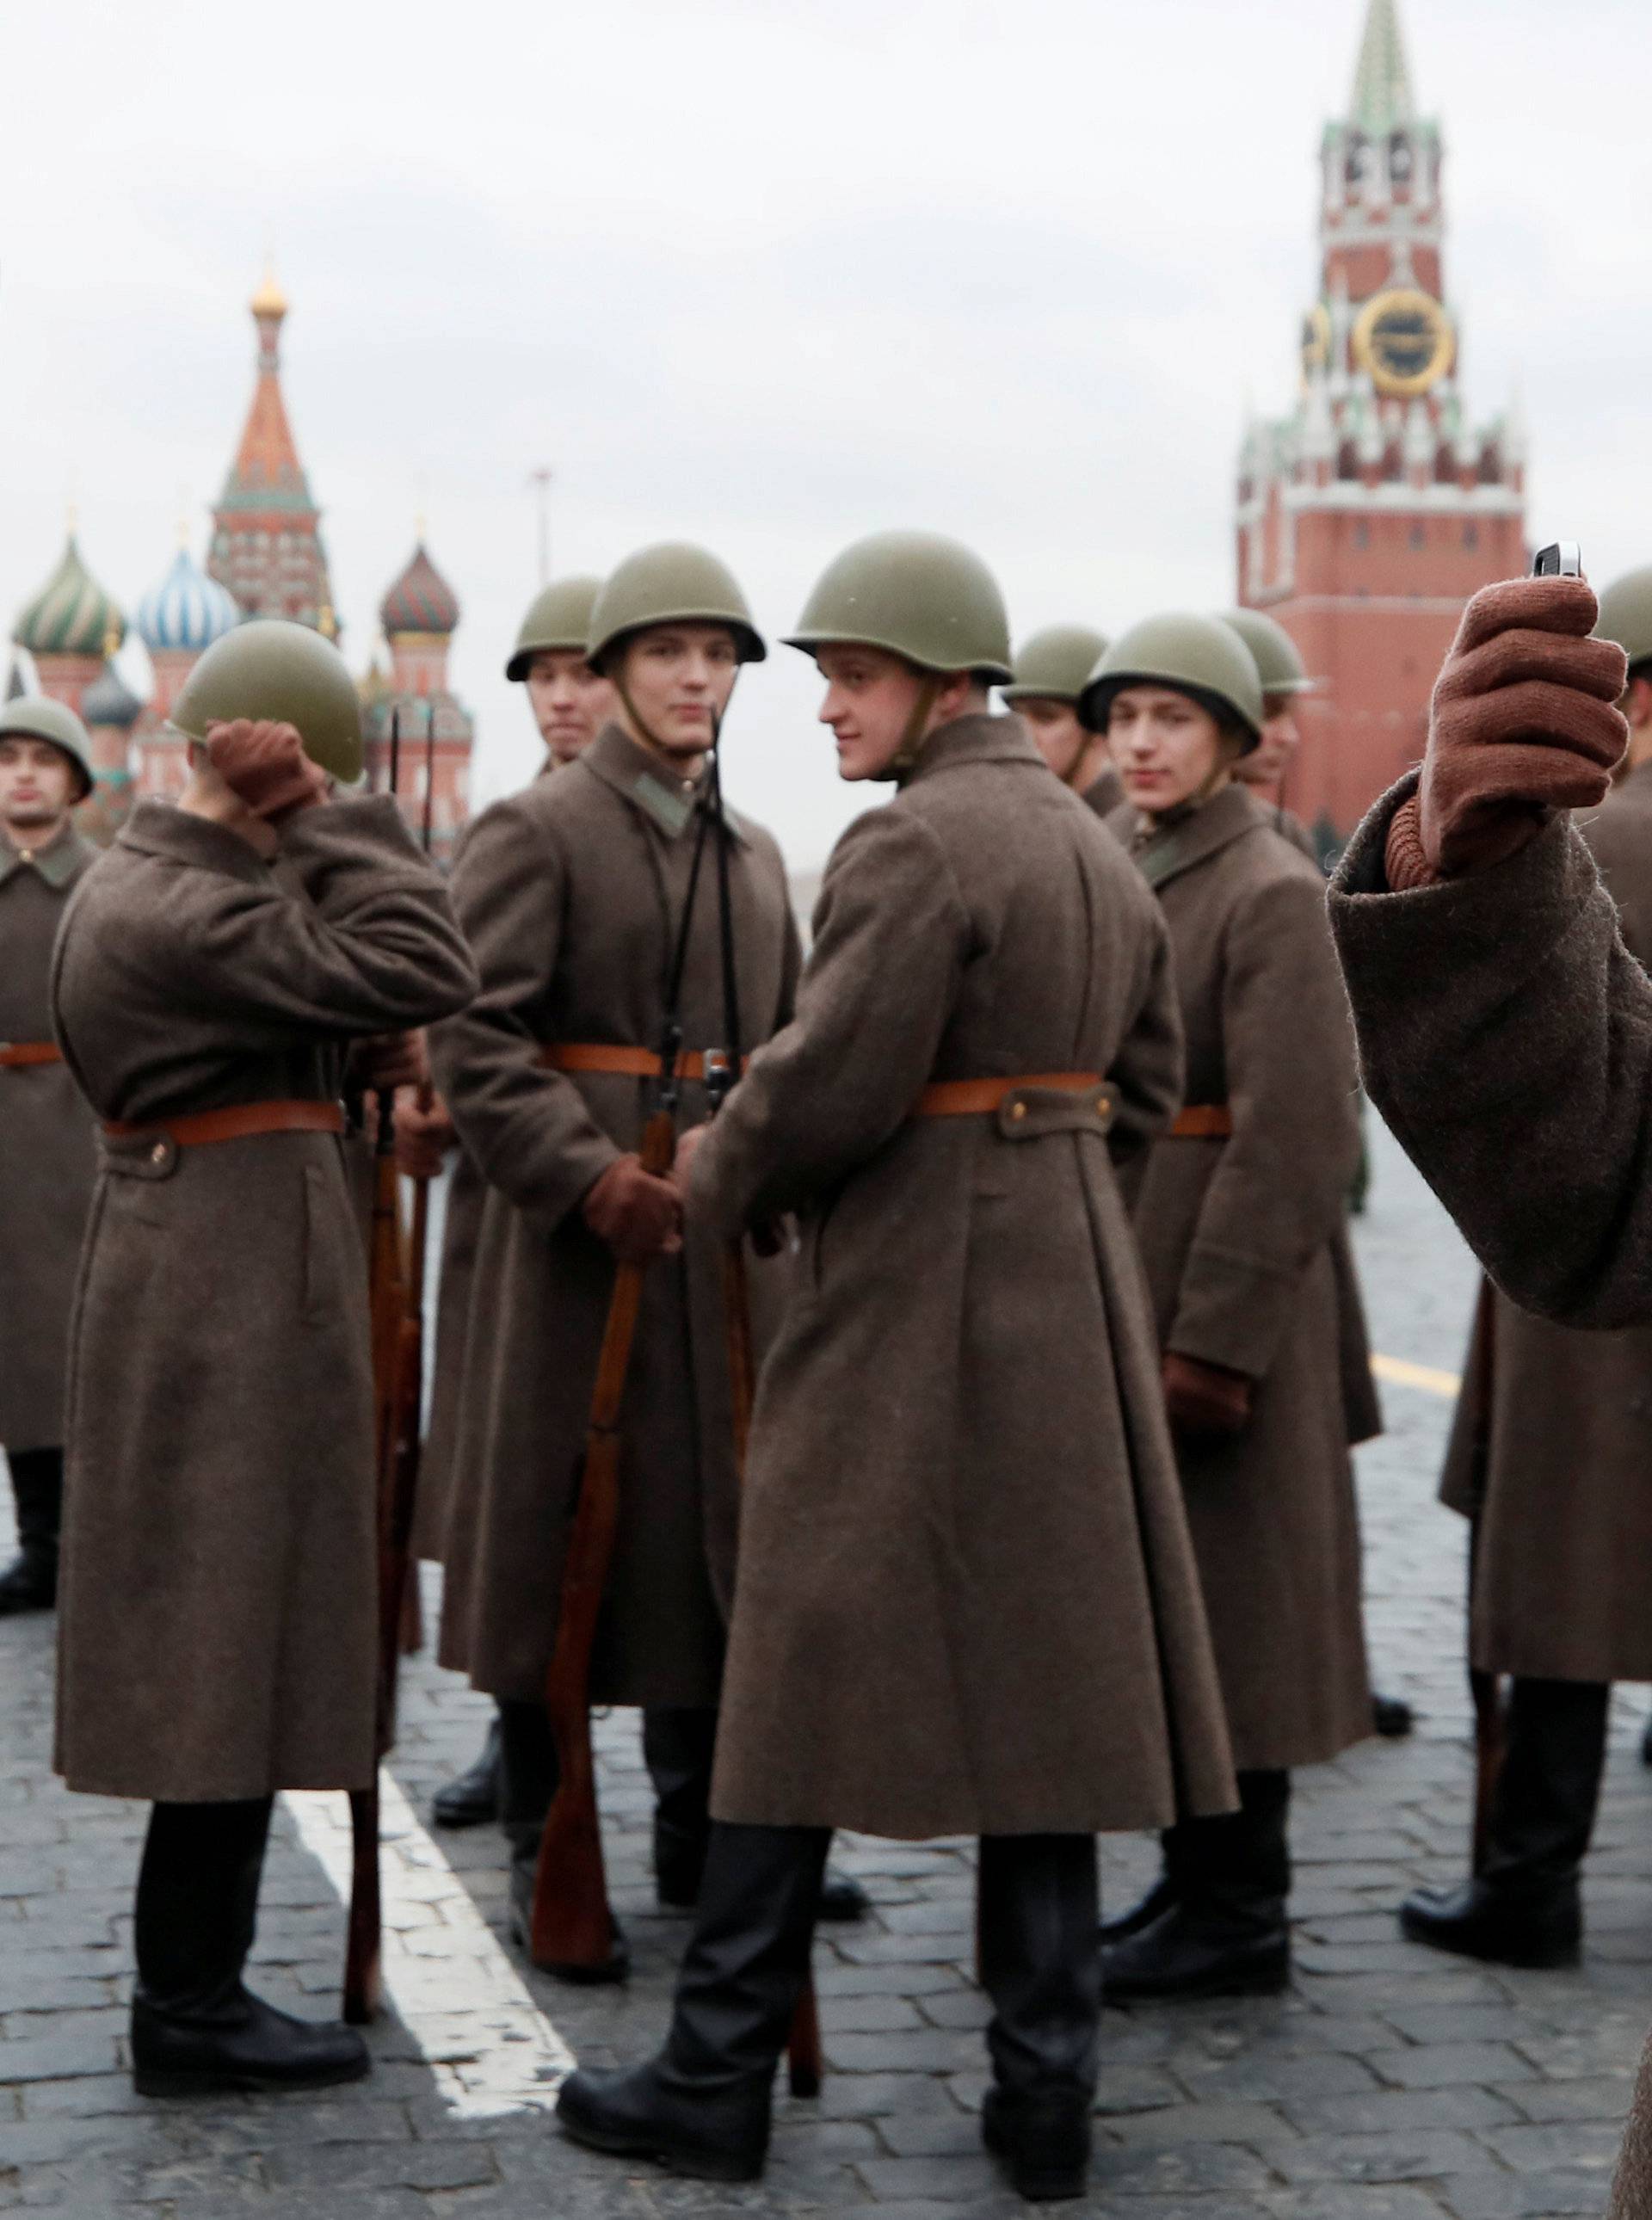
x: 64, y: 858
x: 160, y: 828
x: 1165, y: 854
x: 978, y: 736
x: 638, y: 776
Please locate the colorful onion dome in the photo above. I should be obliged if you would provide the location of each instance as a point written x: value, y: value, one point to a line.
x: 72, y: 614
x: 110, y: 701
x: 420, y: 600
x: 186, y: 611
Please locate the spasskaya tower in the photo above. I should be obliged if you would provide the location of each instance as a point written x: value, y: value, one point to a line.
x: 1369, y: 514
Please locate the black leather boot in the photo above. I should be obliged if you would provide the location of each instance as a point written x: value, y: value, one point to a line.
x: 678, y: 1747
x: 1040, y: 1966
x: 195, y: 2027
x: 701, y: 2106
x: 1392, y: 1716
x: 1523, y: 1907
x: 1227, y: 1934
x: 528, y: 1773
x: 471, y: 1797
x: 1143, y: 1913
x: 30, y: 1583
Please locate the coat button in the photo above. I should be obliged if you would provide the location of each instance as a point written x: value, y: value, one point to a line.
x: 1017, y: 1109
x: 1103, y: 1107
x: 158, y: 1154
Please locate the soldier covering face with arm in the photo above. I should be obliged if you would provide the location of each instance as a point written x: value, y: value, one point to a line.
x: 219, y: 1606
x: 974, y: 1542
x: 46, y: 1156
x: 570, y: 703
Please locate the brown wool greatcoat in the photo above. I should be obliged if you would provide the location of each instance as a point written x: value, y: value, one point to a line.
x: 1553, y: 1428
x: 1506, y: 1034
x: 1241, y: 1240
x: 571, y: 894
x: 47, y: 1152
x: 216, y: 1631
x: 966, y: 1600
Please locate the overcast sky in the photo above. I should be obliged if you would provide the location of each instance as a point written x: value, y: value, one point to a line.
x: 771, y: 274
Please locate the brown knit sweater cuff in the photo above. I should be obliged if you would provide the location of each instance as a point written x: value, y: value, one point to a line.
x: 1402, y: 856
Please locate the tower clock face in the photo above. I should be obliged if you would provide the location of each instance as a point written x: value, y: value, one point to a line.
x: 1405, y: 339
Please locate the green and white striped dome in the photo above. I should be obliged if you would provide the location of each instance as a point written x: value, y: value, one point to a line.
x: 72, y: 614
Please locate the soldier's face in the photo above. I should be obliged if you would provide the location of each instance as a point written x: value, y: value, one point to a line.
x: 1167, y: 747
x: 1059, y: 737
x: 1265, y: 765
x: 571, y: 701
x: 676, y: 676
x: 870, y: 699
x: 38, y: 784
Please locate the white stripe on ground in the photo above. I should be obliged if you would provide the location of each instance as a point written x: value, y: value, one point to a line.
x: 491, y: 2050
x: 1401, y: 1372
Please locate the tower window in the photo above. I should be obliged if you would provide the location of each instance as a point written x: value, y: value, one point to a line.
x: 1362, y: 534
x: 1471, y: 535
x: 1420, y: 535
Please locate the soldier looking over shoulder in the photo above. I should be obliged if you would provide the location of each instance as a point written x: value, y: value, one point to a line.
x: 971, y: 1542
x: 570, y: 703
x: 1240, y: 1209
x: 1050, y: 670
x: 47, y: 1155
x: 218, y: 1630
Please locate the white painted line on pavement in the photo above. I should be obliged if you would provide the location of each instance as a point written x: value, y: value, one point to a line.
x: 1401, y: 1372
x: 490, y: 2048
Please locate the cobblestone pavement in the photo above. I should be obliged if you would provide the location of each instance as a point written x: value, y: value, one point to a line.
x: 1389, y: 2085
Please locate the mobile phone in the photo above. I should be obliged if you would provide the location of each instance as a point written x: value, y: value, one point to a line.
x: 1560, y: 560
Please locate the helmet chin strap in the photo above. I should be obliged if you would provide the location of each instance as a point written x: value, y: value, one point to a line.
x: 912, y: 740
x: 646, y: 732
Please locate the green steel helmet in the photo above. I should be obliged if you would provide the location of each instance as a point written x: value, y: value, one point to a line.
x: 673, y: 582
x: 1055, y: 664
x: 916, y: 596
x: 37, y: 717
x: 559, y: 617
x: 273, y: 669
x: 1626, y: 615
x: 1279, y: 664
x: 1201, y: 656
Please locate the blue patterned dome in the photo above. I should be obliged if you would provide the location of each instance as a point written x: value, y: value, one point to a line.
x: 187, y: 611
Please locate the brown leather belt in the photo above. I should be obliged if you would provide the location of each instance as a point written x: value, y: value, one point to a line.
x: 628, y: 1063
x: 976, y: 1098
x: 238, y: 1123
x: 1203, y: 1121
x: 16, y: 1055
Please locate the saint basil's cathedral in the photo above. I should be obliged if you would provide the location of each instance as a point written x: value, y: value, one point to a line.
x: 266, y: 558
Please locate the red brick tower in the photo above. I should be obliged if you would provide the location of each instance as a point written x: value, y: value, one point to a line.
x: 1369, y: 514
x: 266, y: 538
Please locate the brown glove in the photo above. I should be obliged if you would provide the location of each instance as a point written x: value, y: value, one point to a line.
x: 265, y: 764
x: 1205, y: 1399
x: 1523, y: 722
x: 390, y: 1060
x: 424, y: 1132
x: 639, y: 1216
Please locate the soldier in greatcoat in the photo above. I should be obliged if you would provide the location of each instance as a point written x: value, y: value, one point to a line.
x: 1239, y: 1209
x: 1050, y: 669
x: 573, y: 894
x: 218, y: 1630
x: 1548, y: 1456
x: 961, y: 1518
x: 1506, y: 1027
x: 1266, y: 770
x: 46, y: 1154
x: 570, y: 703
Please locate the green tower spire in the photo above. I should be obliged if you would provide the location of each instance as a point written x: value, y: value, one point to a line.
x: 1382, y: 100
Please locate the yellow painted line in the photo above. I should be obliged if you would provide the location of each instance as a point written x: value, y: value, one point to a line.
x: 1401, y: 1372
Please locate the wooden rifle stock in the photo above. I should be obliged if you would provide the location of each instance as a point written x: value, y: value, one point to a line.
x: 388, y: 1302
x: 574, y: 1930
